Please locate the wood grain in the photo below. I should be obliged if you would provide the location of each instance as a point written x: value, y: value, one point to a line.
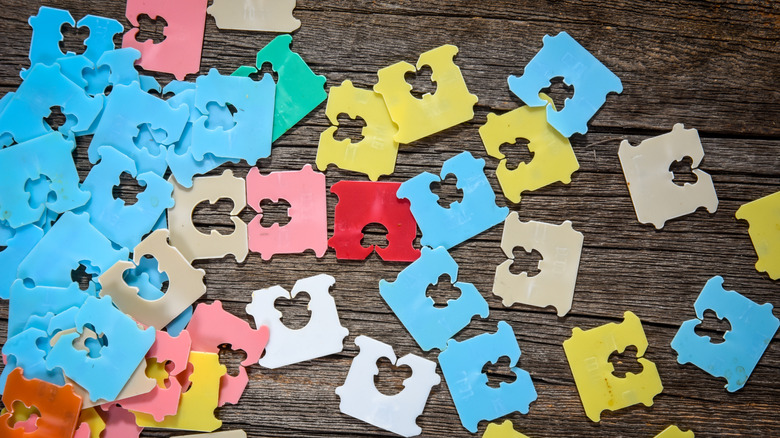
x: 711, y: 65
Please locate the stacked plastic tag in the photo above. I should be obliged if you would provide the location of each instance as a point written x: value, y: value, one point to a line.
x: 128, y: 351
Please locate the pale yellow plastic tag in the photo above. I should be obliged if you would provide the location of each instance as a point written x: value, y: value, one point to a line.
x: 156, y: 370
x: 257, y: 15
x: 195, y: 245
x: 449, y: 105
x: 503, y: 430
x: 197, y: 404
x: 675, y: 432
x: 560, y: 247
x: 185, y: 283
x: 376, y: 153
x: 93, y: 420
x: 763, y: 215
x: 651, y: 184
x: 553, y: 157
x: 588, y: 354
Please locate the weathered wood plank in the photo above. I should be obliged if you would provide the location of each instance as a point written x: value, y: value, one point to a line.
x: 710, y: 65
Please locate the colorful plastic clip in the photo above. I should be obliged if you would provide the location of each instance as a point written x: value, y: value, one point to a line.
x: 129, y: 111
x: 179, y: 53
x: 763, y: 216
x: 464, y: 219
x: 322, y: 335
x: 120, y: 423
x: 450, y: 105
x: 376, y: 153
x: 588, y: 354
x: 59, y: 407
x: 85, y: 69
x: 16, y: 249
x: 503, y: 430
x: 196, y: 408
x: 100, y: 39
x: 91, y: 425
x: 72, y: 241
x: 298, y: 89
x: 655, y: 196
x: 163, y: 400
x: 304, y: 190
x: 179, y: 156
x: 397, y: 413
x: 89, y: 342
x: 432, y: 326
x: 248, y: 136
x: 553, y: 157
x: 44, y: 87
x: 39, y: 191
x: 592, y: 81
x: 48, y: 158
x: 103, y: 376
x: 47, y: 35
x: 675, y: 432
x: 27, y: 351
x: 124, y: 224
x: 257, y: 15
x: 462, y: 363
x: 39, y: 300
x: 149, y: 281
x: 99, y: 42
x: 560, y: 247
x: 366, y: 202
x: 6, y: 232
x: 752, y: 329
x: 195, y: 245
x: 24, y: 418
x: 212, y: 326
x: 185, y: 283
x: 119, y: 67
x: 6, y: 139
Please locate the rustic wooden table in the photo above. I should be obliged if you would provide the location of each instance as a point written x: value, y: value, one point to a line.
x: 711, y: 65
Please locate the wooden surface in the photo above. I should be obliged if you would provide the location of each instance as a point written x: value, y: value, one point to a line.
x: 711, y: 65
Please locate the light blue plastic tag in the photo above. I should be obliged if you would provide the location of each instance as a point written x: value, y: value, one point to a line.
x: 105, y: 375
x: 47, y: 156
x: 179, y: 155
x: 462, y: 363
x: 562, y: 56
x: 464, y: 219
x: 124, y: 224
x: 248, y: 134
x: 44, y: 87
x: 72, y: 240
x: 128, y: 109
x: 752, y: 328
x: 16, y: 250
x: 432, y: 326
